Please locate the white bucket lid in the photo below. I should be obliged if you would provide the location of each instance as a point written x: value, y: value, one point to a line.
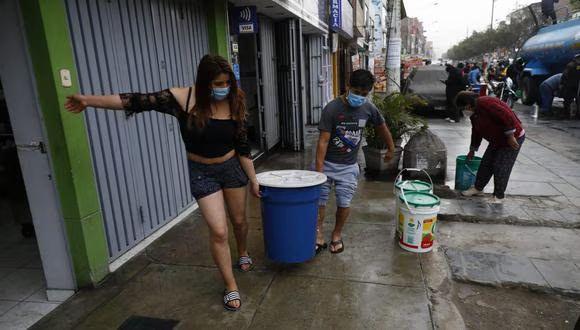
x: 291, y: 179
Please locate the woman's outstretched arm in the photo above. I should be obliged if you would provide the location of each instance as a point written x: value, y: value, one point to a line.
x: 170, y: 101
x: 78, y: 103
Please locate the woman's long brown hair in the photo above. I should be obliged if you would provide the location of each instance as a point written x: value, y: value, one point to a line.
x: 209, y: 68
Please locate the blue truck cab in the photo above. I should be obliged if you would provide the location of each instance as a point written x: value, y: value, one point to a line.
x: 546, y: 54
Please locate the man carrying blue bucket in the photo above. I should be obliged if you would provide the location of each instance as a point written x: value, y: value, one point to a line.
x: 341, y: 128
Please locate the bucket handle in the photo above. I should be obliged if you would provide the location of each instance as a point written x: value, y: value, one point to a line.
x: 405, y: 198
x: 399, y: 177
x: 469, y: 170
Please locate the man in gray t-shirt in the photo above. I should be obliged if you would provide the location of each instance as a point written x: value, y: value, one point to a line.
x: 346, y: 125
x: 341, y: 128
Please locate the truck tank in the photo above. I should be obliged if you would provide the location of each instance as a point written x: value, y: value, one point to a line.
x: 546, y: 54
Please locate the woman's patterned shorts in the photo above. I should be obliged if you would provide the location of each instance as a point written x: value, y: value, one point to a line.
x: 208, y: 179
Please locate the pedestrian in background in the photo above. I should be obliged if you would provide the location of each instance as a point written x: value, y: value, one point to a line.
x: 466, y: 69
x: 493, y: 120
x: 461, y: 67
x: 453, y: 85
x: 514, y: 71
x: 569, y: 83
x: 548, y: 89
x: 474, y: 77
x: 548, y: 10
x: 341, y: 128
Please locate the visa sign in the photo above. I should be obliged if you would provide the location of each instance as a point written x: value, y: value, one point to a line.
x: 244, y: 19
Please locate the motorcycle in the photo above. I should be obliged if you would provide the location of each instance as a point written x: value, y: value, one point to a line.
x: 504, y: 90
x: 507, y: 93
x: 494, y: 87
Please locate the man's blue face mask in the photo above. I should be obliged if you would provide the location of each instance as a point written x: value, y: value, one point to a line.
x: 355, y: 100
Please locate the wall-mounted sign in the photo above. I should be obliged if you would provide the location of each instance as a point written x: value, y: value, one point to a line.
x: 244, y: 19
x: 335, y: 14
x: 341, y: 18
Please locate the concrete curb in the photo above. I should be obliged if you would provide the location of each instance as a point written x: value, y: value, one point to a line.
x: 497, y: 270
x: 509, y: 220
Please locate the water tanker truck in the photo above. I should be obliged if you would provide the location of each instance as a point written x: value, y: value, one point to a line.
x: 546, y: 54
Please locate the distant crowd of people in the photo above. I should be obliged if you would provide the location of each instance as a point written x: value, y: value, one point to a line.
x: 470, y: 76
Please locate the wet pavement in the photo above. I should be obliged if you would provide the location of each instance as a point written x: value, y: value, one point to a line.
x: 531, y: 241
x: 473, y: 279
x: 373, y: 284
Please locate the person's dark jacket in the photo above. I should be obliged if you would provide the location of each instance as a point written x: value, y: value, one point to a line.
x: 513, y: 71
x: 455, y: 83
x: 570, y: 78
x: 494, y: 121
x: 548, y: 6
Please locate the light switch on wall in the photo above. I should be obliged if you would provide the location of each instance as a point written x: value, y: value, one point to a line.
x: 65, y: 78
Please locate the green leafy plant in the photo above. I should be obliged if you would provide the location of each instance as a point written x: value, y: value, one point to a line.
x: 396, y: 108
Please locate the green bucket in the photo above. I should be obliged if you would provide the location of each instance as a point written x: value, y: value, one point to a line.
x: 465, y: 172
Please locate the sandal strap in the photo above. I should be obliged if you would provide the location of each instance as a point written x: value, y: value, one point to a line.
x: 245, y: 260
x: 231, y: 296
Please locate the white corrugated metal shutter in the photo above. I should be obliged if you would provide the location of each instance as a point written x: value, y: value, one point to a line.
x: 317, y: 78
x: 269, y: 82
x: 140, y: 162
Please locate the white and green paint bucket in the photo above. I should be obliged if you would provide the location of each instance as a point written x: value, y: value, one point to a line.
x: 408, y: 186
x: 418, y: 213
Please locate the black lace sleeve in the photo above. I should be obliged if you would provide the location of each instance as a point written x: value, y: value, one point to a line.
x: 241, y: 144
x: 162, y: 101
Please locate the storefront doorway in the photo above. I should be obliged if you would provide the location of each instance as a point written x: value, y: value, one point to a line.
x: 35, y: 267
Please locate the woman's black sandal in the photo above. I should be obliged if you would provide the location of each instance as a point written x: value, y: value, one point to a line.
x: 232, y: 296
x: 245, y: 260
x: 320, y: 247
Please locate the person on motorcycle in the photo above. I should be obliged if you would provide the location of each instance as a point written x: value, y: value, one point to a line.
x: 502, y: 70
x: 491, y: 74
x: 569, y: 83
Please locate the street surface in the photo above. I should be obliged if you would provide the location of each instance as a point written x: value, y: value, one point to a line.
x: 514, y: 266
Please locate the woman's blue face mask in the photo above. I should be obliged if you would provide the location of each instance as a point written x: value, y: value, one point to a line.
x: 355, y: 100
x: 220, y: 93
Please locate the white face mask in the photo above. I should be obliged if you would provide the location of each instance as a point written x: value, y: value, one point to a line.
x: 468, y: 111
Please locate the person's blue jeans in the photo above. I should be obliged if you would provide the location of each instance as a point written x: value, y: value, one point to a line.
x: 546, y: 97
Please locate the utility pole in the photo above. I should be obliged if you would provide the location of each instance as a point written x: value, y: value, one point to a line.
x: 492, y: 5
x: 393, y: 54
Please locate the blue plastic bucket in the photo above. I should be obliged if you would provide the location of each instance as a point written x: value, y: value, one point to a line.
x: 289, y: 214
x: 465, y: 172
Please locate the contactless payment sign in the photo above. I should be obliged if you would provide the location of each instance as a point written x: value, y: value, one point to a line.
x: 245, y: 19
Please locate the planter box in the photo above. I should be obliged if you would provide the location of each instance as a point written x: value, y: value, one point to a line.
x: 375, y: 160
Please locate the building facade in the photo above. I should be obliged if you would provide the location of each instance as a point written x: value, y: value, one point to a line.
x: 414, y: 42
x: 101, y: 186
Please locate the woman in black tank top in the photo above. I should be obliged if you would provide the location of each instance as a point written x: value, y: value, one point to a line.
x: 211, y: 120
